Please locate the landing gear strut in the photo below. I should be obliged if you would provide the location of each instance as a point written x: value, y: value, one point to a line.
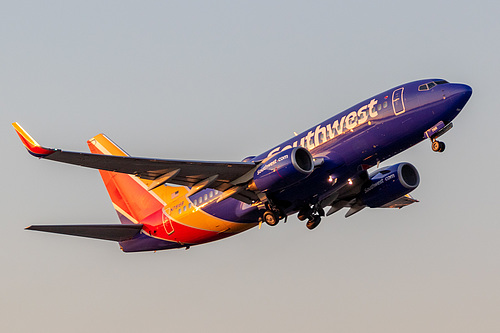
x: 438, y: 146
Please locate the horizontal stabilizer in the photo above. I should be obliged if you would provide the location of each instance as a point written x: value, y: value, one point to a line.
x: 112, y: 232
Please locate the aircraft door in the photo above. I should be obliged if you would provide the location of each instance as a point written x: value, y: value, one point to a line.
x: 397, y: 101
x: 167, y: 222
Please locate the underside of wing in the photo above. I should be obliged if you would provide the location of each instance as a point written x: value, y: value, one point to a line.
x: 112, y: 232
x: 351, y: 196
x: 189, y: 172
x: 401, y: 202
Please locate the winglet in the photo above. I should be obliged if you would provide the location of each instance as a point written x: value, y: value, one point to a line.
x: 33, y: 147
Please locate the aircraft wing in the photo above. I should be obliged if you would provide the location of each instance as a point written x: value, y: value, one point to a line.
x: 347, y: 196
x: 219, y: 175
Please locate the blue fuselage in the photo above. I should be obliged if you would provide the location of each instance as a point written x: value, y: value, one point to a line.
x: 355, y: 140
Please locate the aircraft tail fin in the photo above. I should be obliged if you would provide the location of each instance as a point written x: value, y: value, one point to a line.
x: 129, y: 194
x: 101, y: 144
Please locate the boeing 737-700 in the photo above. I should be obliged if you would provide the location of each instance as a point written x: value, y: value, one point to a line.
x: 165, y: 203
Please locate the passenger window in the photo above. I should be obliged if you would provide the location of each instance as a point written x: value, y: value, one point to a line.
x: 211, y: 194
x: 379, y: 107
x: 184, y: 208
x: 179, y: 211
x: 205, y: 197
x: 320, y: 137
x: 189, y: 206
x: 385, y: 105
x: 195, y: 202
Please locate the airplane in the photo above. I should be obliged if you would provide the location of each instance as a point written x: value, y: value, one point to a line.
x: 165, y: 204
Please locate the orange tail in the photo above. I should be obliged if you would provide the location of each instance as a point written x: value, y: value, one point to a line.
x: 129, y: 194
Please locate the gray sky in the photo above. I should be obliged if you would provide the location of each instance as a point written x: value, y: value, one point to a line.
x: 221, y: 81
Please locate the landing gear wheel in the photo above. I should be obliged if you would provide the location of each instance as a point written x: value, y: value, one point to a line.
x: 313, y: 222
x: 438, y: 146
x: 304, y: 214
x: 270, y: 218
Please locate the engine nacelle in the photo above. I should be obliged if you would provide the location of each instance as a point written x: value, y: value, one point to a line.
x: 283, y: 169
x: 389, y: 183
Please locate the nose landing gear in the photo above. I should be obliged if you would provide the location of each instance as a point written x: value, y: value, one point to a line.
x: 435, y: 132
x: 438, y: 146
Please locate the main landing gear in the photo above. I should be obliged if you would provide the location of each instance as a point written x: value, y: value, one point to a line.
x: 270, y: 217
x: 272, y: 213
x: 438, y: 146
x: 312, y: 214
x: 313, y: 222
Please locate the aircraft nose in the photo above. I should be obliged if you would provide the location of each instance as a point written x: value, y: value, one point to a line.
x: 459, y: 93
x: 464, y: 90
x: 461, y: 90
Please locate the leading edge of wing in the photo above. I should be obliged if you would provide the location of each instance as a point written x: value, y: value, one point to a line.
x: 190, y: 172
x: 112, y: 232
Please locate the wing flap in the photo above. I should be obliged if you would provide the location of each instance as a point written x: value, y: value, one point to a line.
x: 112, y: 232
x: 400, y: 202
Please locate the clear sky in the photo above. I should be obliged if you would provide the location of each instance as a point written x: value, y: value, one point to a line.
x: 221, y: 80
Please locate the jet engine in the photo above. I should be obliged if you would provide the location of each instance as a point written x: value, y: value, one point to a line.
x: 283, y: 169
x: 388, y: 184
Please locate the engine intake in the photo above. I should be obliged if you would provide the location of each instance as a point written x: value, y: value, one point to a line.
x: 389, y: 183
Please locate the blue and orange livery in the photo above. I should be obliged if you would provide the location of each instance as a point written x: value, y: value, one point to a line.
x: 31, y: 145
x: 164, y: 203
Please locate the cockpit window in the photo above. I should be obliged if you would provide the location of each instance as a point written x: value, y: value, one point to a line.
x: 430, y: 85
